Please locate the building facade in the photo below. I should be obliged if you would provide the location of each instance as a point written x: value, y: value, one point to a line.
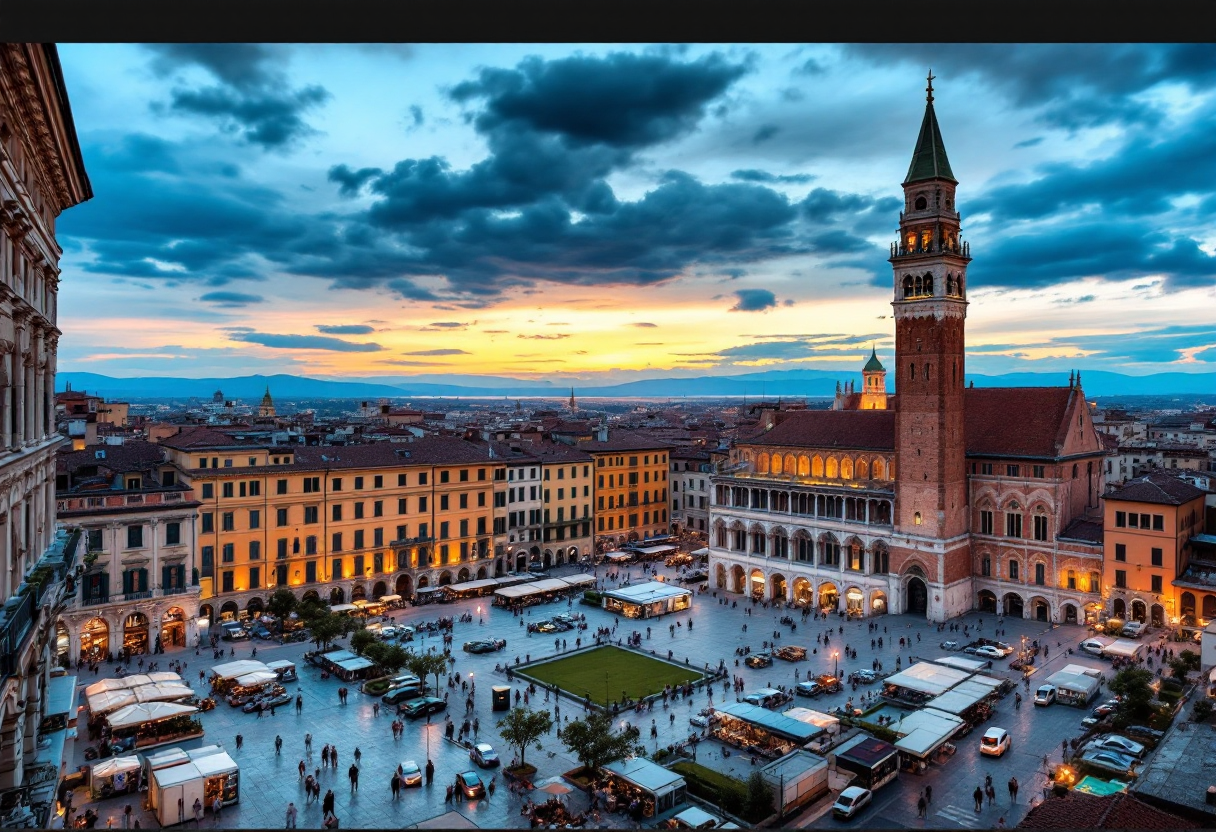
x: 690, y: 485
x: 41, y: 175
x: 631, y: 486
x: 568, y: 495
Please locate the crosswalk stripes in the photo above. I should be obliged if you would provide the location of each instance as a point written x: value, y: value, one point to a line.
x: 962, y: 817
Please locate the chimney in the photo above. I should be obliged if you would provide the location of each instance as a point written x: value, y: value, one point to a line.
x: 601, y: 433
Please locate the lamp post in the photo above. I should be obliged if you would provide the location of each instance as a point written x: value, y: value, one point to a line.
x: 836, y: 668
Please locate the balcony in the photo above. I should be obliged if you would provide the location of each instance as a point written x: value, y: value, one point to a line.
x: 961, y: 249
x: 19, y: 614
x: 136, y: 596
x: 94, y: 600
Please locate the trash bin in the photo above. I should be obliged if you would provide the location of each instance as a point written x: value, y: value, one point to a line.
x: 500, y: 697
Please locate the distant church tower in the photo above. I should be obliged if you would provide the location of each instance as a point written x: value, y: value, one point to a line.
x: 930, y: 548
x: 874, y: 384
x: 573, y: 403
x: 266, y: 408
x: 218, y: 397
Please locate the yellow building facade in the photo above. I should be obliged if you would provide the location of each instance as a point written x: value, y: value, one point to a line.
x: 631, y: 487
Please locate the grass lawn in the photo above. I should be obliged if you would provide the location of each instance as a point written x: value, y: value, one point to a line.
x: 606, y: 671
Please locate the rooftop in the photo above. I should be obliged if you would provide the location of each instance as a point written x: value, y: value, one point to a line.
x: 1157, y: 487
x: 1087, y: 811
x: 1180, y: 771
x: 1017, y: 421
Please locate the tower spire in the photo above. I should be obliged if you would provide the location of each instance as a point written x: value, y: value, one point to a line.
x: 929, y: 159
x: 929, y: 89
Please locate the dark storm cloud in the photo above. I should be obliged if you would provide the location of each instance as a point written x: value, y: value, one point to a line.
x: 231, y: 300
x: 350, y: 182
x: 345, y: 329
x: 753, y: 175
x: 753, y: 300
x: 303, y: 342
x: 764, y: 133
x: 252, y: 99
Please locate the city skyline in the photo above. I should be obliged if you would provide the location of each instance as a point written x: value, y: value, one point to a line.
x: 597, y: 214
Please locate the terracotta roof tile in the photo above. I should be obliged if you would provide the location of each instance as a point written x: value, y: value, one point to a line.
x: 624, y: 440
x: 1087, y: 811
x: 1016, y: 421
x: 1157, y: 487
x: 1089, y: 531
x: 868, y: 430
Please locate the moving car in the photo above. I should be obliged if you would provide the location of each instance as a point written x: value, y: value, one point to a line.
x: 703, y: 720
x: 421, y: 706
x: 470, y: 785
x: 790, y: 653
x: 1114, y: 742
x: 989, y: 652
x: 484, y: 755
x: 411, y: 774
x: 277, y: 700
x: 1094, y: 646
x: 758, y: 660
x: 488, y: 645
x: 851, y: 801
x: 1112, y: 761
x: 234, y: 632
x: 995, y: 742
x: 830, y: 684
x: 1045, y: 695
x: 402, y: 694
x: 864, y: 677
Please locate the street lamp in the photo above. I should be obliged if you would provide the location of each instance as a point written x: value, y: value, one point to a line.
x: 836, y: 669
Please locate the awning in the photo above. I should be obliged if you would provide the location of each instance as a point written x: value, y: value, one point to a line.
x: 232, y: 670
x: 176, y: 775
x: 114, y: 765
x: 389, y: 599
x: 618, y: 556
x: 217, y: 763
x: 280, y: 664
x: 448, y: 820
x: 646, y: 775
x: 924, y: 731
x: 357, y: 663
x: 647, y: 593
x: 775, y: 723
x: 257, y: 677
x: 60, y: 693
x: 579, y: 580
x: 472, y: 586
x: 927, y: 677
x: 135, y: 680
x: 961, y: 663
x: 343, y: 608
x: 820, y: 720
x: 654, y: 550
x: 133, y: 715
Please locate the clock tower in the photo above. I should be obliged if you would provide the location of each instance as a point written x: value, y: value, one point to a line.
x: 931, y: 546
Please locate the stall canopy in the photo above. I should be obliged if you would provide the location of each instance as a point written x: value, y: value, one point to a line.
x: 962, y: 663
x: 215, y: 763
x: 337, y: 656
x: 512, y: 593
x: 343, y: 608
x: 778, y: 724
x: 646, y: 775
x: 104, y: 702
x: 820, y: 720
x: 280, y: 664
x: 133, y: 681
x: 133, y: 715
x: 653, y: 551
x: 927, y: 677
x: 472, y: 586
x: 357, y: 663
x: 166, y: 759
x: 257, y: 677
x: 922, y: 732
x: 961, y: 697
x: 618, y: 556
x: 389, y: 599
x: 232, y: 670
x: 113, y: 766
x: 647, y: 593
x: 579, y: 580
x: 59, y: 696
x: 701, y: 553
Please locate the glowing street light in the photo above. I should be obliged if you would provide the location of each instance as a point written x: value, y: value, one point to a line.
x: 836, y: 669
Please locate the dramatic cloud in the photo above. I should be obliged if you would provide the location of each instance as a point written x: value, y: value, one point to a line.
x: 303, y: 342
x: 557, y: 336
x: 231, y: 300
x: 644, y: 324
x: 752, y: 175
x: 754, y: 300
x: 346, y: 329
x: 437, y: 352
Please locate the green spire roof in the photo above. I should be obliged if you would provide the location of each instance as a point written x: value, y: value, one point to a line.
x: 929, y: 159
x: 873, y: 365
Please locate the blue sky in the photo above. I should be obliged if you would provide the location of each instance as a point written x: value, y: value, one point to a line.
x: 597, y: 213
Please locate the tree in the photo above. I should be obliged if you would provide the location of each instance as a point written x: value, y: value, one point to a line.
x: 759, y: 802
x: 1191, y: 659
x: 1179, y: 668
x: 361, y: 640
x: 392, y: 657
x: 282, y: 603
x: 310, y: 610
x: 522, y: 727
x: 325, y: 628
x: 593, y: 741
x: 1132, y: 683
x: 427, y: 664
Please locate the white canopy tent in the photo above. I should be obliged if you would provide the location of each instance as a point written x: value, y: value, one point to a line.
x: 114, y: 765
x: 133, y: 715
x: 389, y: 599
x: 104, y: 702
x: 922, y: 732
x: 257, y: 677
x: 132, y: 681
x: 232, y: 670
x: 962, y: 663
x: 579, y: 580
x: 820, y: 720
x: 343, y: 608
x: 928, y: 678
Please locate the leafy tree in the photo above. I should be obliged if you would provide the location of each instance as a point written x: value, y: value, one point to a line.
x: 522, y: 727
x: 428, y: 664
x: 325, y: 628
x: 392, y: 657
x: 282, y: 603
x: 1191, y: 659
x: 310, y: 610
x: 1132, y: 683
x: 361, y: 640
x: 593, y: 741
x: 1179, y: 668
x: 1201, y: 710
x: 759, y: 802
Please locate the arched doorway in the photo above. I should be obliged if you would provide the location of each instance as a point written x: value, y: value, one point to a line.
x: 404, y: 586
x: 1157, y: 615
x: 777, y: 587
x: 310, y: 595
x: 379, y: 590
x: 720, y: 576
x: 173, y: 628
x: 1014, y: 607
x: 1209, y: 607
x: 1139, y: 611
x: 337, y: 596
x: 254, y: 607
x: 1070, y: 614
x: 445, y: 578
x: 737, y: 579
x: 423, y: 581
x: 229, y: 611
x: 802, y: 592
x: 917, y: 595
x: 1042, y: 610
x: 1118, y: 608
x: 1188, y: 603
x: 547, y: 560
x: 854, y: 601
x: 358, y: 592
x: 829, y: 596
x: 135, y: 634
x: 878, y: 603
x: 462, y: 575
x: 95, y: 640
x: 572, y: 555
x: 481, y: 574
x: 986, y: 602
x: 205, y: 614
x: 521, y: 562
x: 756, y: 590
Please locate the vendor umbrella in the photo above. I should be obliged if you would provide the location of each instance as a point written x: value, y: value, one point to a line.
x: 555, y: 789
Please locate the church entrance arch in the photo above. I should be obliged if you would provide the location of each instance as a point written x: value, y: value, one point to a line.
x: 1070, y: 614
x: 802, y: 592
x: 1014, y: 607
x: 986, y: 601
x: 756, y: 589
x: 736, y: 579
x: 878, y: 603
x: 404, y: 586
x: 1042, y: 609
x: 917, y: 596
x: 720, y: 576
x: 1157, y: 615
x: 777, y: 587
x: 95, y: 640
x: 829, y: 597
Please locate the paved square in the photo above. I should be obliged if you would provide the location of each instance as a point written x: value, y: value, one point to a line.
x: 611, y: 674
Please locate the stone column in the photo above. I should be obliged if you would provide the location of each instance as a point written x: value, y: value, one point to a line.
x: 18, y: 379
x: 38, y: 422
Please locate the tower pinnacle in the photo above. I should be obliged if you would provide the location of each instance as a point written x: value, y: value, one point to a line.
x: 929, y: 89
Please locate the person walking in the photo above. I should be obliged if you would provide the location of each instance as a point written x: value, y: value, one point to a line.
x: 290, y: 816
x: 430, y: 772
x: 198, y: 812
x: 358, y: 755
x: 302, y: 769
x: 327, y: 805
x: 353, y: 774
x: 308, y: 744
x: 216, y: 806
x: 126, y: 817
x: 299, y: 702
x: 333, y: 757
x: 978, y: 795
x: 1013, y: 790
x: 325, y: 756
x: 239, y: 742
x: 928, y: 794
x: 921, y: 806
x: 278, y: 745
x: 991, y: 792
x: 395, y: 785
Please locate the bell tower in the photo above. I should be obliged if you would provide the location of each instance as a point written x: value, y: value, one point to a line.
x: 931, y: 545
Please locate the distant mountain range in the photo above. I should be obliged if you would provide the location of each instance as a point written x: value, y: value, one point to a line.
x: 769, y: 384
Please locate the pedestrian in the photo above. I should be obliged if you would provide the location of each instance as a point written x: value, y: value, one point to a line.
x: 375, y: 709
x: 358, y: 755
x: 239, y: 742
x: 126, y: 817
x: 928, y: 794
x: 198, y: 812
x: 291, y: 816
x: 921, y: 806
x: 216, y: 806
x: 333, y: 758
x: 308, y: 744
x: 278, y: 745
x: 430, y: 772
x: 325, y: 756
x: 1000, y: 823
x: 299, y: 702
x: 327, y: 805
x: 301, y: 769
x: 991, y: 792
x: 978, y: 795
x: 395, y: 785
x: 1013, y: 790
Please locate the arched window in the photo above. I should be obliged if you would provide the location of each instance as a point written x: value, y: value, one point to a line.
x: 1075, y: 470
x: 833, y: 469
x: 908, y: 286
x: 912, y: 374
x: 927, y: 287
x: 862, y: 469
x: 949, y: 284
x: 776, y: 467
x: 986, y: 567
x: 804, y: 466
x: 790, y: 466
x: 921, y: 203
x: 817, y: 466
x: 762, y: 463
x: 927, y: 368
x: 1013, y: 570
x: 846, y: 469
x: 878, y: 469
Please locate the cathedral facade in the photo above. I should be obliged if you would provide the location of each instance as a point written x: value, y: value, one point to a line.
x: 937, y: 500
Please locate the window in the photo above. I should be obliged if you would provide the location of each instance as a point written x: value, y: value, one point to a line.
x: 1039, y: 471
x: 310, y: 514
x: 443, y: 530
x: 227, y: 521
x: 312, y: 485
x: 422, y: 504
x: 1013, y: 524
x: 378, y: 508
x: 1040, y: 574
x: 464, y: 474
x: 481, y: 499
x: 1121, y: 519
x: 985, y: 521
x: 358, y: 538
x: 1040, y: 527
x: 444, y: 476
x: 358, y: 483
x: 986, y: 468
x: 358, y: 511
x: 135, y: 537
x: 378, y: 482
x: 173, y: 534
x: 280, y: 486
x: 229, y: 552
x: 1013, y: 570
x: 280, y: 517
x: 464, y: 528
x: 1133, y: 520
x: 208, y: 491
x: 402, y: 479
x: 255, y: 519
x: 1120, y: 551
x: 1158, y: 523
x: 310, y: 572
x: 281, y: 549
x: 335, y: 484
x: 336, y: 512
x: 1144, y: 521
x: 226, y: 581
x: 1156, y: 584
x: 464, y: 500
x: 208, y: 521
x: 443, y: 502
x: 1157, y: 556
x: 255, y: 577
x: 335, y: 542
x: 1012, y: 470
x: 1071, y: 583
x: 1121, y: 578
x: 208, y: 559
x: 403, y: 505
x: 422, y: 477
x: 378, y: 540
x: 255, y: 488
x: 986, y: 567
x: 255, y: 550
x: 310, y: 545
x: 1095, y: 582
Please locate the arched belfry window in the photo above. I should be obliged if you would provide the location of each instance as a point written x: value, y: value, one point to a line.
x: 949, y: 284
x: 908, y: 286
x: 912, y: 371
x: 927, y: 368
x: 921, y: 203
x: 927, y: 287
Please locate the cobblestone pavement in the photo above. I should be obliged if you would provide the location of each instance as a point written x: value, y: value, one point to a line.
x: 270, y: 781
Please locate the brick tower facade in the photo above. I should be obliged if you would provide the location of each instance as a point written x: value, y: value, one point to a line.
x: 931, y: 546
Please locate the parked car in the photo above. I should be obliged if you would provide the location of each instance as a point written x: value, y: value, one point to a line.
x: 1045, y: 695
x: 790, y: 653
x: 1093, y: 646
x: 989, y: 652
x: 470, y: 785
x: 484, y: 755
x: 995, y: 742
x: 758, y: 660
x: 703, y: 720
x: 234, y: 633
x: 949, y: 645
x: 808, y: 689
x: 1100, y: 713
x: 851, y: 801
x: 411, y: 774
x: 421, y: 706
x: 1143, y: 732
x: 1112, y: 761
x: 402, y: 694
x: 278, y: 700
x: 262, y: 631
x: 864, y: 677
x: 484, y: 646
x: 830, y: 684
x: 405, y: 633
x: 1114, y: 742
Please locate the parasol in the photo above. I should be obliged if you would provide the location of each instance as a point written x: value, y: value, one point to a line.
x: 555, y: 789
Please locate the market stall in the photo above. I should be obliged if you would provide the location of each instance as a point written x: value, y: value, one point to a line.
x: 972, y: 700
x: 655, y: 788
x: 580, y: 581
x: 172, y: 792
x: 155, y: 723
x: 824, y: 722
x: 426, y: 595
x: 223, y: 676
x: 286, y: 670
x: 921, y: 734
x: 921, y: 682
x: 619, y: 557
x: 536, y: 592
x: 115, y: 776
x: 761, y: 731
x: 345, y: 609
x: 647, y: 600
x: 367, y: 607
x: 470, y: 589
x: 872, y: 762
x: 391, y: 600
x: 345, y: 665
x: 165, y: 758
x: 655, y: 552
x: 221, y: 774
x: 962, y: 663
x: 104, y: 702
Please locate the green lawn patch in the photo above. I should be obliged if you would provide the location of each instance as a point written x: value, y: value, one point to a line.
x: 605, y: 671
